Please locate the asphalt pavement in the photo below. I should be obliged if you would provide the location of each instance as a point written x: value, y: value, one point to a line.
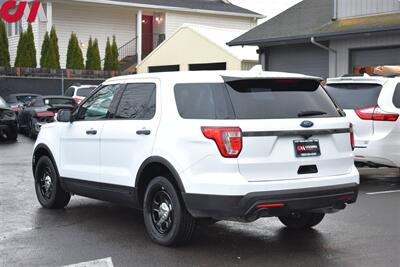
x: 365, y: 234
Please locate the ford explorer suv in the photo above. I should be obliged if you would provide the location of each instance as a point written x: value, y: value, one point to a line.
x: 372, y: 104
x: 188, y: 147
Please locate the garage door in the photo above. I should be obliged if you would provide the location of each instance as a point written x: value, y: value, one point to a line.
x: 305, y: 59
x: 374, y: 57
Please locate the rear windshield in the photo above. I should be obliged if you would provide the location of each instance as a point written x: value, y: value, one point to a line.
x: 355, y: 95
x: 254, y: 99
x: 84, y: 92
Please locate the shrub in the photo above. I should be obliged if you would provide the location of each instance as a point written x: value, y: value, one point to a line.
x: 89, y: 55
x: 108, y: 60
x: 96, y: 55
x: 44, y: 54
x: 74, y: 54
x: 54, y: 52
x: 4, y: 49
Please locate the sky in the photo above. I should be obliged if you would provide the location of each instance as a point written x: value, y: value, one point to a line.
x: 269, y: 8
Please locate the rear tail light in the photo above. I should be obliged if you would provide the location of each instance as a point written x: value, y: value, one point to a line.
x: 228, y: 139
x: 45, y: 114
x: 270, y: 205
x: 376, y: 114
x: 77, y: 100
x: 352, y: 141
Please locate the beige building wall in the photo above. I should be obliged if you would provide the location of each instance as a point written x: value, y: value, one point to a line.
x: 188, y: 47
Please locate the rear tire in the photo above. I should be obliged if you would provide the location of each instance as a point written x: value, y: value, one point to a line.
x: 12, y: 135
x: 47, y: 185
x: 31, y: 130
x: 304, y: 220
x: 167, y: 221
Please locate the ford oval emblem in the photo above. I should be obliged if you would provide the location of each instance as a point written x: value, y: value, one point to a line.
x: 307, y: 124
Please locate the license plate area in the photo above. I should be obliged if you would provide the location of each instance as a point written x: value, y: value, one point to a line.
x: 307, y: 148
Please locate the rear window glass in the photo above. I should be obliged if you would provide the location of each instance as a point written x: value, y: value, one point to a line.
x: 254, y: 99
x: 84, y: 92
x: 396, y: 96
x: 355, y: 95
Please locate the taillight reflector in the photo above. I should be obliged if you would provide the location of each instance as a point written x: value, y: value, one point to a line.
x: 271, y: 205
x: 45, y: 114
x: 228, y: 139
x: 376, y: 114
x: 77, y: 100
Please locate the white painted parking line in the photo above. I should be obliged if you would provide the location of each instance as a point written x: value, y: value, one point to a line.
x: 384, y: 192
x: 107, y: 262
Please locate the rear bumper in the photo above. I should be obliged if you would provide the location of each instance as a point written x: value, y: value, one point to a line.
x: 321, y: 199
x: 8, y: 125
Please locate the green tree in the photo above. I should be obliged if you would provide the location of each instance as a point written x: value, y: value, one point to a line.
x: 96, y: 55
x: 115, y: 54
x: 26, y: 51
x: 4, y: 52
x: 89, y: 55
x: 44, y: 54
x: 20, y: 57
x: 108, y: 60
x: 54, y: 53
x: 30, y: 48
x: 74, y: 54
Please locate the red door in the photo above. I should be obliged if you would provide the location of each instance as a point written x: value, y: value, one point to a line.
x: 147, y: 38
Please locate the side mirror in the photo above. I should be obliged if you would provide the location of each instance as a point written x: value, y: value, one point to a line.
x: 64, y: 115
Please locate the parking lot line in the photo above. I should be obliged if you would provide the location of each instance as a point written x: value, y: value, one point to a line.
x: 107, y: 262
x: 383, y: 192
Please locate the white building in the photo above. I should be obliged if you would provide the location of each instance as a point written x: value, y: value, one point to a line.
x: 139, y: 25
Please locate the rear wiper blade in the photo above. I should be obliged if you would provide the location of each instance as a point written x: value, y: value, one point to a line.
x: 310, y: 113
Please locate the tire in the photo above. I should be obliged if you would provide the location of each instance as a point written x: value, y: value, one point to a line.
x: 12, y: 135
x: 304, y: 220
x: 31, y: 130
x: 47, y: 185
x: 177, y: 226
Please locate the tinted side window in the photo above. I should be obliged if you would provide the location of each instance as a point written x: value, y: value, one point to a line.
x: 396, y: 96
x: 70, y: 92
x: 138, y: 102
x: 203, y: 101
x: 97, y: 107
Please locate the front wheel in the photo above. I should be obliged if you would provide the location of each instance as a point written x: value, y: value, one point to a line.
x: 167, y: 221
x: 303, y: 220
x: 48, y: 189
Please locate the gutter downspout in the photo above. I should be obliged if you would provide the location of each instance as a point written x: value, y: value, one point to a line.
x: 314, y: 42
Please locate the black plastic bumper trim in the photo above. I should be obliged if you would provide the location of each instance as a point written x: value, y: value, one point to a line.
x: 296, y: 133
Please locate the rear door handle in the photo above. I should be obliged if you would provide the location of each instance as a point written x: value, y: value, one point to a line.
x: 91, y: 132
x: 143, y: 132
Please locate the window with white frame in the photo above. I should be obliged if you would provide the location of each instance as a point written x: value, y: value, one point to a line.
x: 9, y: 29
x: 18, y: 27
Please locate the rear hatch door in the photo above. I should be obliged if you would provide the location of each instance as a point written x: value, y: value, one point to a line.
x: 291, y: 130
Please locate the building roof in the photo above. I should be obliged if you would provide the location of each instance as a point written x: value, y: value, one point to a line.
x: 207, y: 6
x: 313, y: 18
x: 220, y: 37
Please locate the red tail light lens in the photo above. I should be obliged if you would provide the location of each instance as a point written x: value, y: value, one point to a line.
x: 352, y: 141
x: 77, y: 100
x: 228, y: 139
x: 45, y: 114
x: 376, y: 114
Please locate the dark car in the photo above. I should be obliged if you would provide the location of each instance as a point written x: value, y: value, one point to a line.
x: 17, y: 101
x: 42, y: 110
x: 8, y: 121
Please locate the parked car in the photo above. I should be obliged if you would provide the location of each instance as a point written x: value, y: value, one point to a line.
x: 17, y: 101
x: 372, y: 104
x: 41, y: 111
x: 8, y: 121
x: 193, y: 146
x: 79, y: 92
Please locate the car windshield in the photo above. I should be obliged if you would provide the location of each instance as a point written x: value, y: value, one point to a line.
x: 355, y: 95
x: 254, y: 99
x: 59, y: 102
x: 25, y: 99
x: 84, y: 92
x: 3, y: 103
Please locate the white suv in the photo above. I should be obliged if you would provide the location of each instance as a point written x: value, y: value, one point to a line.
x: 372, y: 104
x: 192, y: 146
x: 79, y: 92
